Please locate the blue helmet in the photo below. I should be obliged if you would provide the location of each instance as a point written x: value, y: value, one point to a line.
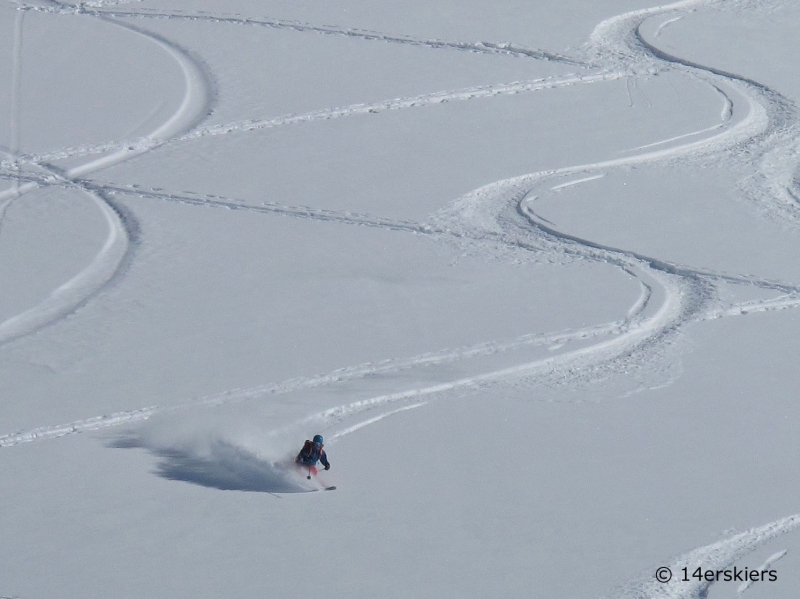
x: 318, y: 439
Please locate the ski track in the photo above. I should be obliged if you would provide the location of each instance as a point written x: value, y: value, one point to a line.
x: 545, y: 238
x: 692, y: 294
x: 431, y: 99
x: 384, y: 367
x: 725, y: 117
x: 351, y: 429
x: 577, y: 181
x: 500, y: 217
x: 666, y: 24
x: 73, y: 294
x: 717, y: 556
x: 116, y: 252
x: 765, y: 566
x: 501, y: 48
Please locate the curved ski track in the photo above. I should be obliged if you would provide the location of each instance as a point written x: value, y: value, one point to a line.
x: 116, y: 251
x: 500, y: 218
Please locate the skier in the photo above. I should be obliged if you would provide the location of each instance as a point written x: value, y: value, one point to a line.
x: 311, y: 453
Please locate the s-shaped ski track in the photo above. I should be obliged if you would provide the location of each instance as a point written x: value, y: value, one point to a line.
x: 116, y: 251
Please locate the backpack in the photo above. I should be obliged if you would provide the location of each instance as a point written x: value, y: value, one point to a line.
x: 308, y: 451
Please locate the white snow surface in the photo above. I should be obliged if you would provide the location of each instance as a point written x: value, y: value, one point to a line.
x: 531, y: 268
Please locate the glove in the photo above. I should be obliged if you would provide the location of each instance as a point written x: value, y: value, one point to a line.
x: 327, y: 466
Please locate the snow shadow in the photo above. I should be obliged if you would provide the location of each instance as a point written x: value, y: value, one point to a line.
x: 218, y: 464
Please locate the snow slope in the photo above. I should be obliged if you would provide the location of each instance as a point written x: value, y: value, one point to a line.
x: 530, y: 270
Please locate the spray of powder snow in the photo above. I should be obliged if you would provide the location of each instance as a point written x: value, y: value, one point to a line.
x: 230, y: 455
